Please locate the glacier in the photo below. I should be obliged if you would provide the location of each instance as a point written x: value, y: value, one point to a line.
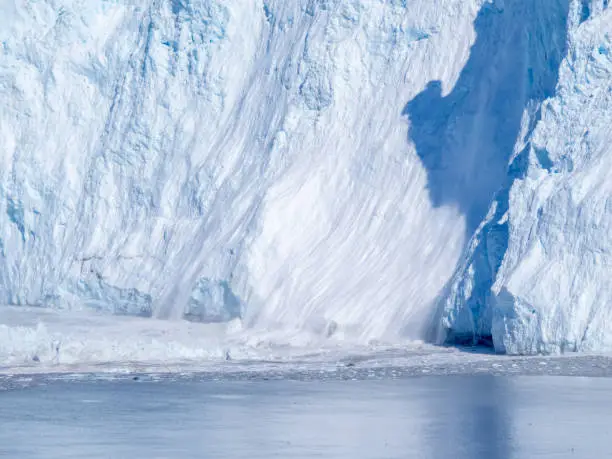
x: 317, y: 170
x: 536, y: 275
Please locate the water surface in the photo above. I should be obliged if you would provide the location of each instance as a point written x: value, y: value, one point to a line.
x: 434, y: 417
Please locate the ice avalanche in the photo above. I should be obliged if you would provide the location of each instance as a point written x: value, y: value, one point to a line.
x: 351, y: 170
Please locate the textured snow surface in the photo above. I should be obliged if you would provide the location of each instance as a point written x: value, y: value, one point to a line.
x: 343, y: 171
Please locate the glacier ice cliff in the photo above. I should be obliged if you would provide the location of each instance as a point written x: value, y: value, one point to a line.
x: 354, y: 169
x: 536, y: 278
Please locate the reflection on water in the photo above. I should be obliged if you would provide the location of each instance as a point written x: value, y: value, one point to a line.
x: 474, y: 418
x: 430, y: 417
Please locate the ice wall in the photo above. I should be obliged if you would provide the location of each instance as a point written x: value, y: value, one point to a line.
x: 341, y: 169
x: 554, y: 292
x: 536, y: 278
x: 208, y: 159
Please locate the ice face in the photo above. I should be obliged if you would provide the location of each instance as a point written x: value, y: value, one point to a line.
x: 354, y: 169
x: 555, y: 278
x: 256, y: 147
x: 535, y: 279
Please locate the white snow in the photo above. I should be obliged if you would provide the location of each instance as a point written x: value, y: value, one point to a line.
x: 34, y: 340
x: 308, y: 168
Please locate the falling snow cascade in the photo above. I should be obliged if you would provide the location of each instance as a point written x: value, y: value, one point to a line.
x: 356, y: 171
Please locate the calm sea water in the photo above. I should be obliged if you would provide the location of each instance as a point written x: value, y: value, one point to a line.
x: 483, y: 417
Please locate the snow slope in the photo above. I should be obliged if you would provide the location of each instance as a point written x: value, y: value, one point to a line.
x: 338, y: 168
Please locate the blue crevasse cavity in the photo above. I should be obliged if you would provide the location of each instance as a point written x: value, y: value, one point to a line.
x: 212, y: 301
x: 102, y: 296
x: 15, y: 213
x: 585, y: 10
